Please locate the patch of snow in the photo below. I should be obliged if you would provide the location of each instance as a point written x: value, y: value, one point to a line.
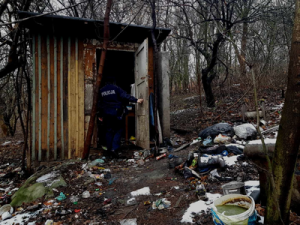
x: 190, y: 98
x: 158, y: 194
x: 176, y: 187
x: 250, y: 190
x: 230, y: 160
x: 47, y: 177
x: 252, y: 183
x: 142, y: 191
x: 195, y: 141
x: 245, y: 164
x: 241, y: 142
x: 237, y: 145
x: 214, y: 173
x: 178, y: 111
x: 184, y: 110
x: 197, y: 207
x: 258, y: 142
x: 262, y: 219
x: 20, y: 219
x: 278, y: 107
x: 85, y: 165
x: 6, y: 143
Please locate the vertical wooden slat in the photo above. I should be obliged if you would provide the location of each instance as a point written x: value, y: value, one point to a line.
x: 51, y: 100
x: 81, y: 98
x: 61, y: 97
x: 40, y: 96
x: 44, y: 103
x: 33, y: 137
x: 73, y: 106
x: 55, y: 98
x: 37, y: 98
x: 58, y: 110
x: 69, y: 99
x: 65, y: 97
x: 48, y: 96
x: 76, y: 99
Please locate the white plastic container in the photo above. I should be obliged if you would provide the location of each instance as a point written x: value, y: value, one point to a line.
x: 238, y: 200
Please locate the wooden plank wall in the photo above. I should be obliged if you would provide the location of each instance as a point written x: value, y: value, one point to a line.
x: 89, y: 60
x: 57, y: 98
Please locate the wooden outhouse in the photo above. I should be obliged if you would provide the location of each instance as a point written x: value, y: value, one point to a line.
x: 65, y: 57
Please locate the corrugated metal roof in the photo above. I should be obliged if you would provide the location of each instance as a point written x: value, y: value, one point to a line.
x: 89, y: 28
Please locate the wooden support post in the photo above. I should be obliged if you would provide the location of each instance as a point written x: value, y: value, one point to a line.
x: 33, y: 136
x: 40, y: 97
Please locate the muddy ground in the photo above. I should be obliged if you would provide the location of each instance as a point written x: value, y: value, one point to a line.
x: 108, y: 202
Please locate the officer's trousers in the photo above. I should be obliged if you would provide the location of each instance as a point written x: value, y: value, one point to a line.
x: 113, y: 132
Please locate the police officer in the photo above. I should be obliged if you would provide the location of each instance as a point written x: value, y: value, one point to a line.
x: 111, y: 111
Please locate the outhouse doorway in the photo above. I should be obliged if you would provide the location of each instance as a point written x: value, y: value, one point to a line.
x: 130, y: 69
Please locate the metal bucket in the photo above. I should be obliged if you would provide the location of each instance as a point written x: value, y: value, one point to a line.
x: 234, y: 187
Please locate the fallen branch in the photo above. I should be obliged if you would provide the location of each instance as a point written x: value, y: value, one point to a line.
x: 182, y: 147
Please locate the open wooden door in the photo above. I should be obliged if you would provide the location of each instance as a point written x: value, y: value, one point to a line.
x: 142, y: 132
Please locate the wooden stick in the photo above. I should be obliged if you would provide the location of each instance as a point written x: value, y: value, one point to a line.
x: 88, y: 139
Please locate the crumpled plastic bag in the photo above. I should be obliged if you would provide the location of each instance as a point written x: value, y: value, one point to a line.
x: 222, y: 139
x: 219, y: 128
x: 246, y: 131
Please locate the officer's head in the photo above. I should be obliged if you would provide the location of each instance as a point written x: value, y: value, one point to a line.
x: 109, y: 80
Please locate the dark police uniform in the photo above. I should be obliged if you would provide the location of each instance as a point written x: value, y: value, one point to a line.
x: 111, y: 109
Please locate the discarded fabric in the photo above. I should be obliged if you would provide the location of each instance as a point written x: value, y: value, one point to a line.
x: 220, y: 128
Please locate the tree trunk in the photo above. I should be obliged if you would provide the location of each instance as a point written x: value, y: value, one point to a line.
x: 288, y: 141
x: 243, y: 50
x: 88, y: 139
x: 206, y: 81
x: 198, y: 74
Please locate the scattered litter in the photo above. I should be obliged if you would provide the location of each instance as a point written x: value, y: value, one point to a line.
x: 86, y: 194
x: 48, y: 177
x: 110, y: 182
x: 230, y: 160
x: 222, y: 139
x: 147, y: 202
x: 6, y: 208
x: 131, y: 201
x: 197, y: 207
x: 96, y: 162
x: 74, y: 198
x: 98, y: 184
x: 128, y: 222
x: 49, y: 222
x: 245, y: 131
x: 61, y: 197
x: 196, y: 141
x: 142, y: 191
x: 161, y: 156
x: 220, y: 128
x: 207, y: 141
x: 161, y: 204
x: 234, y: 187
